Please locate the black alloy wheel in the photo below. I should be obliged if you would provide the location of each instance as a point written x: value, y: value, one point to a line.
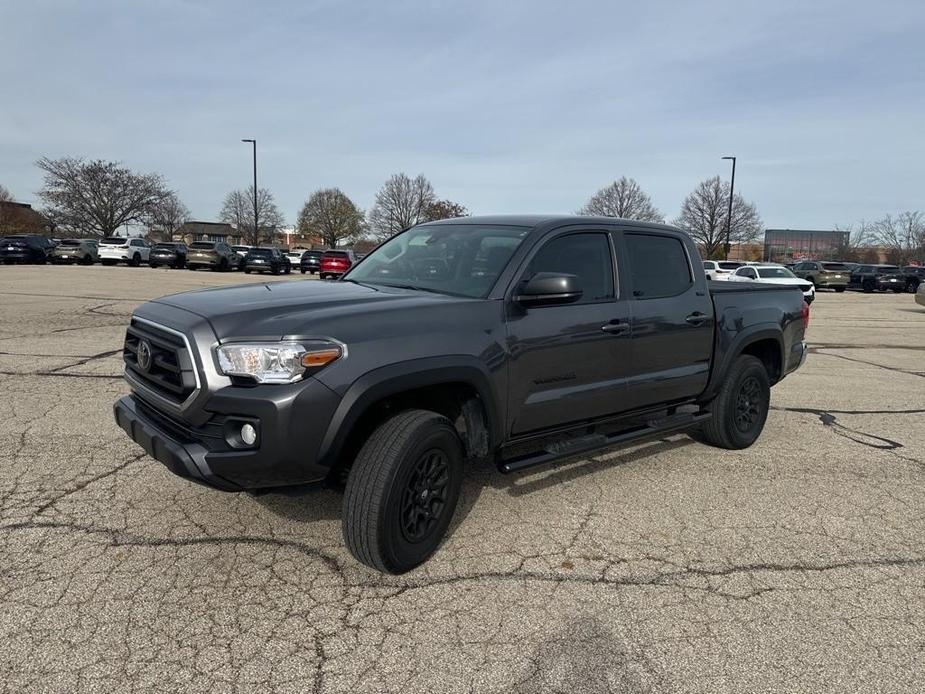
x: 748, y: 401
x: 425, y: 495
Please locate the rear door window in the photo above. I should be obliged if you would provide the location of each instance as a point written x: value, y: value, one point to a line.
x: 658, y: 265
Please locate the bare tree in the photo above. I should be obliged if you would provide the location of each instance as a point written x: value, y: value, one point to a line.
x: 704, y: 212
x: 166, y: 217
x: 5, y: 194
x: 902, y: 235
x: 623, y: 198
x: 97, y: 197
x: 859, y: 237
x: 238, y: 210
x: 444, y: 209
x: 332, y: 215
x: 402, y: 202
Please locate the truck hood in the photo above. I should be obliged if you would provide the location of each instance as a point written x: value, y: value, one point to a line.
x: 275, y: 310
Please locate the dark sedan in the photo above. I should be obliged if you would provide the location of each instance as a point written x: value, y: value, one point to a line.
x: 311, y: 262
x: 26, y: 248
x: 168, y: 254
x: 270, y: 260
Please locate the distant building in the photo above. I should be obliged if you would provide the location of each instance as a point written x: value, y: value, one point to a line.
x: 20, y: 218
x: 799, y: 244
x: 207, y: 231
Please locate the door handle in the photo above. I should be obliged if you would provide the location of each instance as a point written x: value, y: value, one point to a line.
x: 615, y: 327
x: 696, y: 318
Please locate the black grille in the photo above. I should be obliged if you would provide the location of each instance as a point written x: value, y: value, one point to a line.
x: 171, y: 371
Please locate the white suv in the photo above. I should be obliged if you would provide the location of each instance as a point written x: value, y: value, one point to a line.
x: 116, y: 249
x: 720, y: 269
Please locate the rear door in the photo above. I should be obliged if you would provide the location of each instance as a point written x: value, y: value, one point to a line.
x: 672, y: 319
x: 568, y: 363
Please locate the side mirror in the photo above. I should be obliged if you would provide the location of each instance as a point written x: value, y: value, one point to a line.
x: 549, y: 289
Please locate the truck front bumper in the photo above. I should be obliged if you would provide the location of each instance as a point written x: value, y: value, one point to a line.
x: 186, y: 459
x: 290, y: 426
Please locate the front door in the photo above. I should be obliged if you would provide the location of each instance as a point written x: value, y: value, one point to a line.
x: 568, y: 363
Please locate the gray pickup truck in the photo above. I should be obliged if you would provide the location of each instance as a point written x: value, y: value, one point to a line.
x: 521, y: 340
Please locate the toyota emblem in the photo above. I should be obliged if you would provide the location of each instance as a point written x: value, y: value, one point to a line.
x: 144, y: 355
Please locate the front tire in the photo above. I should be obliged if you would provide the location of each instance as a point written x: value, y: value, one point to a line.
x: 839, y: 290
x: 135, y: 261
x: 402, y: 491
x: 740, y: 409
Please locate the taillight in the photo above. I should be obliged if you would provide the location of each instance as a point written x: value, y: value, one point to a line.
x: 805, y: 316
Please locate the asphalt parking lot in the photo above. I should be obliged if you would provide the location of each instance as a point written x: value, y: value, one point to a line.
x: 797, y: 565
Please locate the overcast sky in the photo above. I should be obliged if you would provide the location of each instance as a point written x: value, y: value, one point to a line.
x: 505, y: 106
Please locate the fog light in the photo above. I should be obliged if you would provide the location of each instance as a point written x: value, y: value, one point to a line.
x: 249, y: 434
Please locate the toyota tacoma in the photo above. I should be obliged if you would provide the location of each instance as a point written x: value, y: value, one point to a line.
x: 520, y: 340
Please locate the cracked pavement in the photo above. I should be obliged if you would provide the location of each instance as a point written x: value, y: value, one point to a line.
x: 797, y: 565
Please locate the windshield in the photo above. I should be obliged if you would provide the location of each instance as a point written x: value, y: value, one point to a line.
x: 203, y: 245
x: 835, y: 267
x: 114, y: 241
x: 166, y: 246
x: 729, y: 265
x: 456, y: 259
x: 775, y: 273
x: 69, y: 242
x: 262, y: 252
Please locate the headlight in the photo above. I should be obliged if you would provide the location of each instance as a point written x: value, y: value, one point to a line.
x: 276, y: 362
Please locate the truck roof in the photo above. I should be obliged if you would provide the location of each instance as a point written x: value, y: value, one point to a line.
x: 534, y: 220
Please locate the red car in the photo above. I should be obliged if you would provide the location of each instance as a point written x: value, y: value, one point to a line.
x: 335, y: 263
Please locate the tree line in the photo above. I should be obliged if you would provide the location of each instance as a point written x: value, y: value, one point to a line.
x: 98, y: 197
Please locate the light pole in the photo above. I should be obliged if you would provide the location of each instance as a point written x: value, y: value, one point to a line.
x: 256, y: 221
x: 732, y: 186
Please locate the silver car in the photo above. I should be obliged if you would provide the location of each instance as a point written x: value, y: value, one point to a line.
x: 920, y: 295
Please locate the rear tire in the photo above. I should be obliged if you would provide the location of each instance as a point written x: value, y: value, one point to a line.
x: 302, y: 271
x: 402, y: 491
x: 740, y: 409
x: 839, y: 290
x: 247, y: 271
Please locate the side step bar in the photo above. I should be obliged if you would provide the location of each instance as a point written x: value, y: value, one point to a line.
x: 595, y: 442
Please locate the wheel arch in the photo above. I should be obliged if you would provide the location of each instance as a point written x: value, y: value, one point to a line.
x: 765, y: 342
x: 456, y: 388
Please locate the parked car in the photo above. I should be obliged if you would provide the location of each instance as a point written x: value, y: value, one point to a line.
x: 335, y: 263
x: 216, y: 255
x: 295, y: 257
x: 241, y: 252
x: 913, y: 274
x: 920, y: 294
x: 168, y: 253
x: 823, y: 274
x: 271, y: 260
x: 871, y: 278
x: 118, y: 249
x: 310, y: 261
x: 416, y: 366
x: 26, y: 248
x: 720, y: 269
x: 774, y: 274
x: 83, y: 251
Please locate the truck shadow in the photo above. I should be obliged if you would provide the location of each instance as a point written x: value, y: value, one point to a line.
x: 313, y: 503
x: 302, y: 504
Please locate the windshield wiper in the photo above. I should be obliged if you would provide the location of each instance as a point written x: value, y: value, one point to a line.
x: 414, y: 287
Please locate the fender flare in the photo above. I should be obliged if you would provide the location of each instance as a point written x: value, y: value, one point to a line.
x: 403, y: 376
x: 741, y: 341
